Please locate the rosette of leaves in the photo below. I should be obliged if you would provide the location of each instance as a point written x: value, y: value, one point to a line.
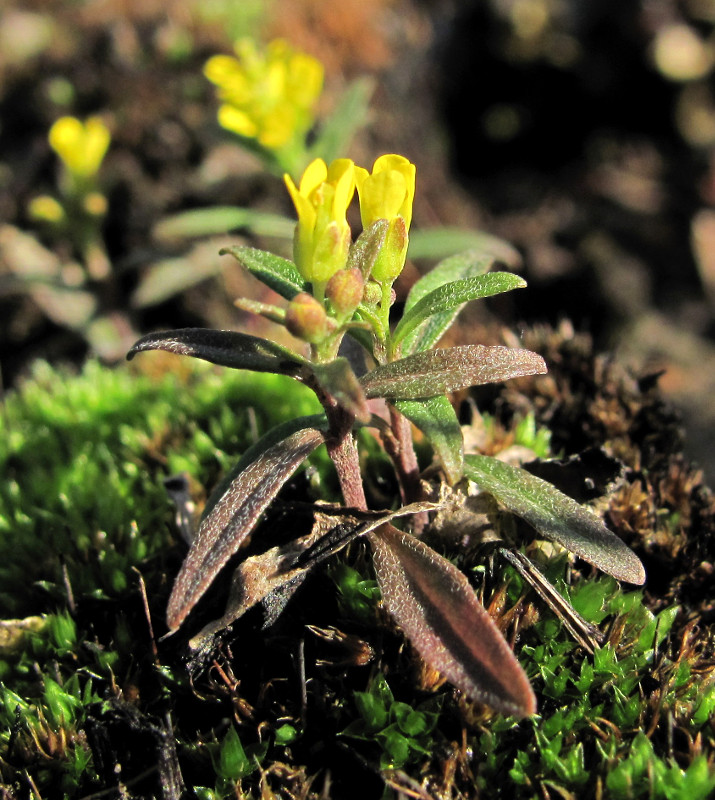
x: 430, y: 599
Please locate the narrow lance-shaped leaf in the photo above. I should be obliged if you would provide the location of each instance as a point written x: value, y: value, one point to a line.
x: 556, y: 516
x: 278, y: 273
x: 234, y: 516
x: 431, y: 330
x: 226, y: 348
x: 436, y: 418
x: 433, y: 603
x: 221, y: 220
x: 440, y: 371
x: 452, y: 295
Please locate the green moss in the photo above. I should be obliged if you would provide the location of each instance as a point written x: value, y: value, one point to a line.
x: 83, y: 507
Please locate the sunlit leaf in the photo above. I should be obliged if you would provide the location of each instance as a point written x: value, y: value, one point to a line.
x: 226, y: 348
x: 452, y: 295
x: 433, y: 603
x: 277, y: 273
x: 234, y: 516
x: 436, y: 418
x: 556, y: 516
x: 437, y: 372
x: 429, y: 332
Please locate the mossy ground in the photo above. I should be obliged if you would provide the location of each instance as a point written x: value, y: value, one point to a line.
x: 330, y: 702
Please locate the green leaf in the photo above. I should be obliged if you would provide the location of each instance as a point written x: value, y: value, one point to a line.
x: 433, y: 603
x: 221, y: 220
x: 436, y: 418
x: 277, y: 273
x: 556, y: 516
x: 233, y: 763
x: 226, y: 348
x: 441, y: 242
x: 462, y: 265
x: 437, y: 372
x: 450, y: 296
x: 337, y: 131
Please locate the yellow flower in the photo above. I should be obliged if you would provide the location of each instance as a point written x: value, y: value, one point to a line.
x: 81, y: 146
x: 322, y: 236
x: 388, y: 194
x: 267, y: 96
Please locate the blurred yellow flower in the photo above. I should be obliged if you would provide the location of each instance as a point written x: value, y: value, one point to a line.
x: 47, y: 209
x: 81, y: 145
x: 322, y: 236
x: 268, y: 96
x: 388, y: 194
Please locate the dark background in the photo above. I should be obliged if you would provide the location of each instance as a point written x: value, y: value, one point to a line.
x: 582, y: 133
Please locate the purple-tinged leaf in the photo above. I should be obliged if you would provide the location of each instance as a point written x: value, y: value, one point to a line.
x: 431, y: 330
x: 433, y: 603
x: 556, y: 516
x: 233, y: 517
x: 452, y: 295
x: 436, y: 418
x: 337, y: 379
x: 277, y: 273
x: 258, y: 576
x: 437, y: 372
x: 226, y: 348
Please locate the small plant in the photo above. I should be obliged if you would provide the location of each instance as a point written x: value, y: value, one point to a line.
x: 368, y: 372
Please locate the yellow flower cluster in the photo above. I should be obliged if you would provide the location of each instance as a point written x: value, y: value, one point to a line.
x: 81, y: 145
x: 268, y: 96
x: 322, y: 238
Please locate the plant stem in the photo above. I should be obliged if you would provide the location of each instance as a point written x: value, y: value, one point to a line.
x: 342, y: 450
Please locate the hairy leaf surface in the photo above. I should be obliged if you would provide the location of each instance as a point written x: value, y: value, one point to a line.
x: 436, y: 418
x: 433, y: 603
x: 233, y: 517
x: 278, y: 273
x: 454, y: 268
x: 437, y: 372
x: 452, y: 295
x: 226, y: 348
x: 556, y: 516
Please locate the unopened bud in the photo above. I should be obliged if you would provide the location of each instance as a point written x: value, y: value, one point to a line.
x: 391, y: 258
x: 306, y: 318
x: 345, y: 289
x: 372, y: 293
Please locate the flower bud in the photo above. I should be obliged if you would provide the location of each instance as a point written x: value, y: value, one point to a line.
x: 306, y: 318
x: 372, y: 293
x: 345, y: 290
